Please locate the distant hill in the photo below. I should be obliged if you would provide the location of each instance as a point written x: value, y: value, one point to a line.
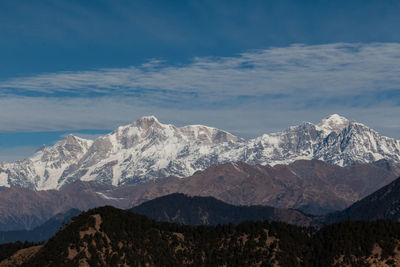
x: 312, y: 186
x: 42, y: 232
x: 173, y: 208
x: 189, y: 210
x: 111, y: 237
x: 25, y: 209
x: 184, y: 209
x: 383, y: 204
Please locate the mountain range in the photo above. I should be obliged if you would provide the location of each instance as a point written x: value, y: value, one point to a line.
x: 180, y: 208
x: 149, y: 150
x: 313, y: 187
x: 183, y: 209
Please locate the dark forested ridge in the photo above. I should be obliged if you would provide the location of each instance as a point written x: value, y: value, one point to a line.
x: 111, y: 237
x: 8, y: 249
x: 180, y: 208
x: 309, y: 186
x: 382, y: 204
x: 195, y: 210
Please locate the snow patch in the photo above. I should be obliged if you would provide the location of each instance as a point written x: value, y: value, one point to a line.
x: 108, y: 197
x: 334, y: 123
x: 4, y: 179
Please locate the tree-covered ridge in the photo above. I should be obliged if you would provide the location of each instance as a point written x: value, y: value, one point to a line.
x: 111, y: 237
x: 199, y: 210
x: 356, y: 243
x: 8, y: 249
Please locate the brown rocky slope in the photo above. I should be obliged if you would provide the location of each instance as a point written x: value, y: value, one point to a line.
x: 311, y: 186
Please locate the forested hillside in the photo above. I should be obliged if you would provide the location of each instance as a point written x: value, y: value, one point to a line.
x: 111, y: 237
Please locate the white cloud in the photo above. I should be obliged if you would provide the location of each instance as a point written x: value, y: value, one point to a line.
x: 319, y: 70
x: 253, y: 93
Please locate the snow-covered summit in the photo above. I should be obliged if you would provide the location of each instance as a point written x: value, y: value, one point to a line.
x: 333, y: 123
x: 147, y: 122
x: 148, y: 149
x: 42, y: 170
x: 199, y: 133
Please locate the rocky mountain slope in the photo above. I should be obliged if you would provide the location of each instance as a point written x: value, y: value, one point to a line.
x: 313, y: 187
x: 180, y: 208
x: 147, y: 150
x: 188, y: 210
x: 382, y: 204
x: 25, y: 209
x: 111, y: 237
x: 45, y: 167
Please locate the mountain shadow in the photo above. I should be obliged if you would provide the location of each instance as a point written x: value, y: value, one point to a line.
x: 196, y: 210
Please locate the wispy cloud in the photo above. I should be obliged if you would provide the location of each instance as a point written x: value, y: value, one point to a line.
x: 322, y: 70
x: 288, y: 84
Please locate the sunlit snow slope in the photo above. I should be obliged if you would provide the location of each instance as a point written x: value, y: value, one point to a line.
x: 148, y: 149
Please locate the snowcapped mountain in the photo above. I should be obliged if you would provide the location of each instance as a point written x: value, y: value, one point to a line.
x: 148, y: 149
x: 42, y: 169
x: 335, y: 140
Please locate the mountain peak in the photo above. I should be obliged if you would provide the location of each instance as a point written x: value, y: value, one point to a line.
x: 148, y: 149
x: 146, y: 122
x: 333, y: 123
x: 70, y: 139
x: 149, y: 118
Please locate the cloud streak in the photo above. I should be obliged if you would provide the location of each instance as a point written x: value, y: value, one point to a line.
x: 329, y: 70
x: 264, y: 90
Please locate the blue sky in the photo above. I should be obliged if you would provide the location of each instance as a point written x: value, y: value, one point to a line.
x: 249, y: 67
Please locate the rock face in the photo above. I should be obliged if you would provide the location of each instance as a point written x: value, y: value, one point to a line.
x: 147, y: 150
